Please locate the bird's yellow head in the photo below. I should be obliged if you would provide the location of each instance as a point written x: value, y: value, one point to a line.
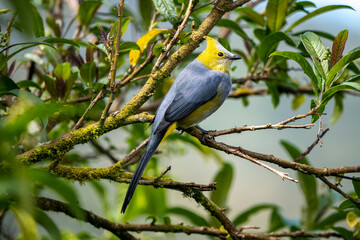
x: 216, y: 57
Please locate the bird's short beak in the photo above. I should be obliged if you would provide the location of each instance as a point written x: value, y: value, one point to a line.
x: 234, y: 57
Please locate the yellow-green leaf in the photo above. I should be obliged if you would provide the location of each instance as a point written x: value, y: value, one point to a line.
x: 352, y: 219
x: 297, y: 101
x: 26, y: 223
x: 134, y: 55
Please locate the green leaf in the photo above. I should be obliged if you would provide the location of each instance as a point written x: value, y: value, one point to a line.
x: 353, y: 78
x: 223, y: 179
x: 51, y: 22
x: 63, y: 70
x: 146, y: 10
x: 127, y: 46
x: 338, y: 108
x: 317, y: 52
x: 38, y: 25
x: 44, y: 220
x: 3, y: 11
x: 275, y: 13
x: 297, y: 101
x: 158, y: 48
x: 194, y: 218
x: 7, y: 84
x: 270, y: 43
x: 232, y: 26
x: 330, y: 220
x: 347, y: 204
x: 224, y: 42
x: 26, y: 84
x: 50, y: 85
x: 315, y: 13
x: 304, y: 64
x: 52, y: 55
x: 26, y: 223
x: 276, y: 221
x: 87, y: 10
x: 69, y: 84
x: 252, y: 15
x: 342, y: 63
x: 113, y: 30
x: 53, y: 40
x: 244, y: 216
x: 307, y: 184
x: 345, y: 233
x: 274, y: 92
x: 356, y: 185
x: 88, y: 72
x: 338, y: 46
x: 331, y: 91
x: 167, y: 9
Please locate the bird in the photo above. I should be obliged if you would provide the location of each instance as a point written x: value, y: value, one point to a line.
x: 197, y: 92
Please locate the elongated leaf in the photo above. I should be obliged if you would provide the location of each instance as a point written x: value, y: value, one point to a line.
x: 223, y: 179
x: 127, y: 46
x: 317, y: 52
x: 356, y: 185
x: 251, y: 14
x: 195, y: 219
x: 167, y: 8
x: 38, y: 25
x: 146, y: 9
x: 53, y: 40
x: 275, y: 13
x: 26, y: 84
x: 3, y: 11
x: 44, y: 220
x: 244, y: 216
x: 338, y: 46
x: 26, y: 223
x: 297, y: 101
x: 87, y: 10
x: 233, y: 26
x: 353, y: 78
x: 113, y: 30
x: 134, y: 55
x: 88, y: 72
x: 7, y: 84
x: 331, y: 91
x: 347, y: 204
x: 338, y: 108
x: 304, y: 64
x: 315, y: 13
x: 330, y: 220
x: 276, y: 221
x: 270, y: 42
x: 342, y: 63
x: 307, y: 184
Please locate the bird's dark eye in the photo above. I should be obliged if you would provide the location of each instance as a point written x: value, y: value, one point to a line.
x: 220, y: 54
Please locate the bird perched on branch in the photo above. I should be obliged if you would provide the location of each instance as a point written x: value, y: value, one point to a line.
x: 198, y: 91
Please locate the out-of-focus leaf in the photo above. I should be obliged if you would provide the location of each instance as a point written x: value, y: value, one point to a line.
x: 195, y: 219
x: 63, y: 70
x: 52, y: 55
x: 342, y: 63
x: 127, y: 46
x: 50, y: 85
x: 297, y: 101
x: 88, y: 72
x: 274, y: 92
x: 134, y: 55
x: 276, y: 221
x: 146, y: 9
x: 300, y: 6
x: 26, y: 84
x: 167, y: 8
x: 26, y: 223
x: 347, y: 204
x: 51, y: 22
x: 275, y: 13
x: 304, y: 64
x: 232, y: 26
x: 338, y: 108
x: 270, y: 42
x: 87, y: 10
x: 7, y: 84
x: 345, y: 233
x: 44, y: 220
x: 225, y: 43
x: 62, y: 188
x: 338, y: 46
x: 331, y: 91
x: 244, y: 216
x: 352, y: 219
x: 53, y: 40
x: 101, y: 190
x: 315, y: 13
x: 158, y: 49
x: 330, y: 220
x: 353, y: 78
x: 356, y: 185
x: 38, y: 25
x: 307, y: 184
x: 252, y: 15
x: 317, y: 52
x: 223, y: 179
x: 69, y: 84
x: 3, y: 11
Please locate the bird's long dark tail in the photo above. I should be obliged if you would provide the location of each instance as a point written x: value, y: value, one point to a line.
x: 150, y: 149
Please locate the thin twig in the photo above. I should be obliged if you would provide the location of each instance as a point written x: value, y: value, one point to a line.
x: 126, y: 161
x: 163, y: 173
x: 104, y: 151
x: 345, y: 195
x: 308, y: 150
